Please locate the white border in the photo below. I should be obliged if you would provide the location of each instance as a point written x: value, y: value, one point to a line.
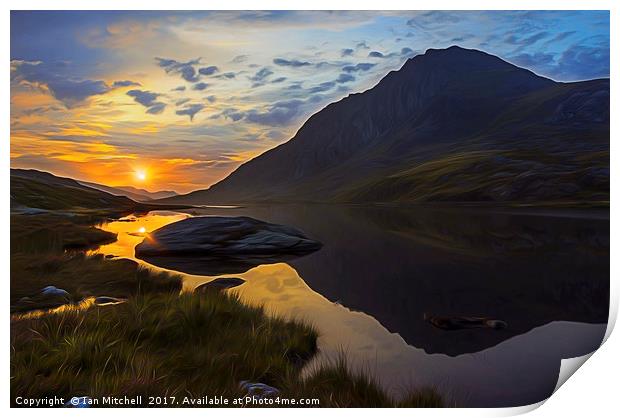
x: 592, y: 392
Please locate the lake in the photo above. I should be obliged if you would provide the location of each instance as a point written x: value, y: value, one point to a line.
x: 383, y: 270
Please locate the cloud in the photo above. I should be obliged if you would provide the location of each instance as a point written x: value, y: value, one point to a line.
x: 182, y: 102
x: 156, y: 108
x: 362, y: 45
x: 362, y: 66
x: 278, y: 80
x: 328, y: 85
x: 581, y: 62
x: 233, y: 114
x: 523, y: 42
x: 279, y: 114
x: 200, y: 86
x: 210, y: 70
x: 532, y: 60
x: 53, y: 77
x: 147, y: 99
x: 125, y: 83
x: 260, y: 76
x: 403, y: 52
x: 434, y: 19
x: 376, y: 54
x: 560, y: 37
x: 344, y: 78
x: 211, y: 98
x: 239, y: 59
x: 185, y: 69
x: 180, y: 88
x: 290, y: 63
x: 228, y: 75
x: 295, y: 86
x: 346, y: 52
x: 190, y: 110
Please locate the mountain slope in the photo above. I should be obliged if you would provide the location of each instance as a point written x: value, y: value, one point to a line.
x: 439, y: 105
x: 38, y: 189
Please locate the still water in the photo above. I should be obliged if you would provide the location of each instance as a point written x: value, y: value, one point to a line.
x: 382, y: 270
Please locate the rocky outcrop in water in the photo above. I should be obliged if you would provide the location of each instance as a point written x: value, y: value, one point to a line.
x: 212, y: 245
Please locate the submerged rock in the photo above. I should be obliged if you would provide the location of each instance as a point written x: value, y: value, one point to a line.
x: 220, y: 284
x: 464, y: 322
x: 55, y: 291
x: 212, y: 245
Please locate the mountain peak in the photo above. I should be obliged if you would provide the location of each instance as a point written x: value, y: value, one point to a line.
x: 452, y: 98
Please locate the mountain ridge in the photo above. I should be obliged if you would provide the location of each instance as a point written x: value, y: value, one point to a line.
x: 446, y: 101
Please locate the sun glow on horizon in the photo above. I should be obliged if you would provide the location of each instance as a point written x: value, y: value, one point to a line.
x: 140, y: 175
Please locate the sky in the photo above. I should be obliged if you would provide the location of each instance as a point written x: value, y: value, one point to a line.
x: 178, y: 100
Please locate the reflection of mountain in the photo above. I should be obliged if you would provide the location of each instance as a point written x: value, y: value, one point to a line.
x: 397, y: 265
x: 450, y: 125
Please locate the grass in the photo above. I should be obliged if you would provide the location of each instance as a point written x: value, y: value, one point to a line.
x: 158, y: 343
x: 335, y: 384
x: 505, y: 176
x: 82, y: 276
x: 188, y: 345
x: 49, y: 233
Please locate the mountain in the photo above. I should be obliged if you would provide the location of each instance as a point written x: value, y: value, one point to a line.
x: 139, y: 195
x: 41, y: 190
x: 160, y: 194
x: 451, y: 125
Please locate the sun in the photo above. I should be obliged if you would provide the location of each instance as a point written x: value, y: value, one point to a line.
x: 140, y: 175
x: 142, y: 230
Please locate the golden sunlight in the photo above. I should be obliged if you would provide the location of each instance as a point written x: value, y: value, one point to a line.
x: 140, y: 175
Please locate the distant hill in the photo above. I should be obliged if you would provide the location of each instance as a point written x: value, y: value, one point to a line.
x: 139, y: 195
x: 38, y: 189
x: 452, y: 125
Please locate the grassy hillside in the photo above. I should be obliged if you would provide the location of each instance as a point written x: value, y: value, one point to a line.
x: 516, y: 176
x: 41, y: 190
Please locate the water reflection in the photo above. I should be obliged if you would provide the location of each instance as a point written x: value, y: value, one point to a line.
x: 380, y: 270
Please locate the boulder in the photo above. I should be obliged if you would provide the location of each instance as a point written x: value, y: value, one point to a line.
x: 213, y: 245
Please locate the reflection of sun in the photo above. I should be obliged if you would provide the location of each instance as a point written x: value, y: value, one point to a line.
x: 141, y: 175
x: 142, y: 230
